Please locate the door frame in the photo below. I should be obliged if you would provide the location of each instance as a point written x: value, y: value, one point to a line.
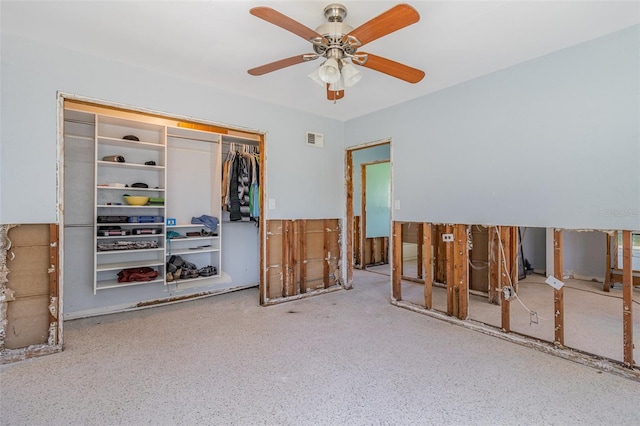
x: 349, y: 251
x: 61, y: 98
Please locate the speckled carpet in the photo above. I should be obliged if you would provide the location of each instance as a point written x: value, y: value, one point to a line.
x: 344, y: 358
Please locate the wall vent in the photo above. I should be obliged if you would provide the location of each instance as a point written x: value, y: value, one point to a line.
x: 315, y: 139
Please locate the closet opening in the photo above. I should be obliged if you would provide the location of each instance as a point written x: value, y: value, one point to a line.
x: 146, y: 212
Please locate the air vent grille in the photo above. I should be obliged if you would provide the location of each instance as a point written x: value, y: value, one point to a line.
x: 315, y: 139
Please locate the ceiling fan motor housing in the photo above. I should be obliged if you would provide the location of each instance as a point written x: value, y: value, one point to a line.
x: 333, y: 32
x: 335, y: 12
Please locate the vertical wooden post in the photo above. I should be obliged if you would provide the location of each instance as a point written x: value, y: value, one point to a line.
x: 627, y: 299
x: 461, y: 271
x: 363, y: 216
x: 427, y: 261
x: 513, y: 249
x: 494, y: 266
x: 295, y: 257
x: 420, y: 241
x: 607, y: 270
x: 350, y: 221
x: 558, y: 295
x: 54, y: 301
x: 266, y: 284
x: 396, y: 281
x: 449, y: 271
x: 402, y: 227
x: 286, y: 255
x: 327, y: 258
x: 302, y: 229
x: 505, y: 255
x: 262, y: 286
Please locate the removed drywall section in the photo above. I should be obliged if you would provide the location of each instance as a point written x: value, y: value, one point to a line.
x: 585, y: 254
x: 28, y: 264
x: 534, y: 242
x: 303, y: 258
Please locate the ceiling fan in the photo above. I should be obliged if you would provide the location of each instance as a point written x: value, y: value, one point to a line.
x: 337, y: 42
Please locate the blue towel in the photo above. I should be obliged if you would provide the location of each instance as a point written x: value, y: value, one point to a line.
x: 208, y: 221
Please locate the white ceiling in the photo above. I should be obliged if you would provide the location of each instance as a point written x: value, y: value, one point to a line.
x: 216, y: 42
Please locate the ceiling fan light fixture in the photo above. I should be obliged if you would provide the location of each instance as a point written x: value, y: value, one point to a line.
x: 337, y: 86
x: 350, y: 74
x: 329, y: 72
x: 315, y: 76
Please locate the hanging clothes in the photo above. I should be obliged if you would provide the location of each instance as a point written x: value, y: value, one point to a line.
x: 240, y: 193
x: 234, y: 200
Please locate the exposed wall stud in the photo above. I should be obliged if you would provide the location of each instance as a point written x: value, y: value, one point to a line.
x: 505, y: 255
x: 327, y: 255
x: 607, y: 270
x: 427, y: 261
x: 494, y: 266
x: 558, y: 295
x: 461, y: 271
x: 303, y: 255
x: 396, y: 281
x: 449, y: 271
x: 627, y: 299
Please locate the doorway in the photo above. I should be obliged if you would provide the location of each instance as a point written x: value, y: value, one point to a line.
x: 368, y: 222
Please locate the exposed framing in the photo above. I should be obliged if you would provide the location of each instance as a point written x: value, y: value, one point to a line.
x: 303, y: 259
x: 54, y: 336
x: 627, y: 299
x: 503, y: 253
x: 558, y: 294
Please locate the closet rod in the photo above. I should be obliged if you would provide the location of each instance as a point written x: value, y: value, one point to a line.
x: 72, y: 136
x: 242, y: 142
x: 190, y: 138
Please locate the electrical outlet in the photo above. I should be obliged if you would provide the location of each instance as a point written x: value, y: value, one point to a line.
x: 447, y: 238
x: 272, y: 203
x: 509, y: 292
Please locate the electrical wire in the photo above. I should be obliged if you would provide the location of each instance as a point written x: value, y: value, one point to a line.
x: 504, y: 262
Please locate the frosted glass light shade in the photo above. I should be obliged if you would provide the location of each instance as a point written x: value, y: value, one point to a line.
x: 350, y: 74
x: 329, y: 72
x: 315, y: 76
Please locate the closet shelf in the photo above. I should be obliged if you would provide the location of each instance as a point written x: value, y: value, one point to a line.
x: 128, y: 165
x: 130, y: 251
x: 103, y: 285
x: 130, y: 224
x: 130, y: 188
x: 72, y: 136
x: 126, y: 237
x: 127, y: 206
x: 191, y: 251
x: 104, y: 140
x: 125, y: 265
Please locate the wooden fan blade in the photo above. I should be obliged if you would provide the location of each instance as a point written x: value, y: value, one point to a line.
x: 277, y: 65
x: 284, y: 22
x: 393, y: 68
x: 394, y: 19
x: 334, y: 95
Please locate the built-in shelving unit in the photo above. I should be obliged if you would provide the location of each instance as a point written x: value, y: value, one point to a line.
x: 179, y: 167
x: 129, y: 238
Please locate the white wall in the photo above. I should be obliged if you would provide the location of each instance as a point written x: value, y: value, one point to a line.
x: 306, y: 182
x: 550, y: 142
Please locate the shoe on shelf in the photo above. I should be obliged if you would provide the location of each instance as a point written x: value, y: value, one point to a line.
x: 207, y: 271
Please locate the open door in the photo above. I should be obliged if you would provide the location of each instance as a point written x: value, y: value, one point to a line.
x: 375, y: 215
x: 357, y: 242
